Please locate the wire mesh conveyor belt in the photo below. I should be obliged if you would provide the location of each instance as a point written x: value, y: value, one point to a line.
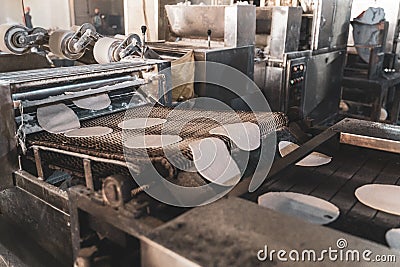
x: 190, y: 125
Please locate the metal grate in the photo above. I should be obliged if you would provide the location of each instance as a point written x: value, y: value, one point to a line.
x: 190, y: 125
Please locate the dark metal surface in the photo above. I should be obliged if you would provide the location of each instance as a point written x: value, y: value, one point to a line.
x: 23, y: 81
x: 367, y: 128
x: 10, y: 62
x: 231, y: 240
x: 336, y: 182
x: 323, y: 82
x: 39, y: 217
x: 8, y: 142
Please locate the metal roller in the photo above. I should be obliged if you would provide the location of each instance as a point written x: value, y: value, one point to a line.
x: 12, y: 38
x: 60, y: 45
x: 108, y: 49
x: 105, y: 50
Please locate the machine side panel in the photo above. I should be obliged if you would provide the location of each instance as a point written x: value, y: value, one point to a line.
x: 285, y: 30
x: 323, y: 85
x: 240, y: 58
x: 8, y: 148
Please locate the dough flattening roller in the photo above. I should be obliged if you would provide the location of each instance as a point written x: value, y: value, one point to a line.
x: 72, y: 44
x: 119, y: 47
x: 113, y: 49
x: 17, y: 39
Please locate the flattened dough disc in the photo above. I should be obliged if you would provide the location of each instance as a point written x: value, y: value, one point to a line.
x: 151, y: 141
x: 308, y: 208
x: 315, y: 159
x: 245, y: 135
x: 213, y: 161
x: 89, y: 132
x: 57, y: 118
x: 393, y: 238
x: 98, y: 102
x: 381, y: 197
x: 140, y: 123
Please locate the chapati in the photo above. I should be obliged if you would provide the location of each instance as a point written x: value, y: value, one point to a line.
x: 214, y: 162
x: 151, y: 141
x: 315, y: 159
x: 57, y: 118
x: 140, y: 123
x: 89, y: 132
x: 381, y: 197
x: 305, y: 207
x: 245, y: 135
x: 98, y: 102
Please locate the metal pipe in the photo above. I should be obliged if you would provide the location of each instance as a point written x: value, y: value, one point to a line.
x: 44, y: 93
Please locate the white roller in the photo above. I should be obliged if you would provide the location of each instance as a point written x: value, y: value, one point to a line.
x: 140, y: 123
x: 58, y: 44
x: 57, y: 118
x: 245, y: 135
x: 393, y: 238
x: 6, y: 43
x: 308, y: 208
x: 213, y: 161
x: 98, y: 102
x: 89, y: 132
x: 381, y: 197
x: 151, y: 141
x: 104, y: 50
x: 315, y: 159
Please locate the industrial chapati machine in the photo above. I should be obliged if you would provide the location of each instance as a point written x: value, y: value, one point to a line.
x: 33, y: 155
x: 38, y: 204
x: 112, y: 219
x: 301, y: 57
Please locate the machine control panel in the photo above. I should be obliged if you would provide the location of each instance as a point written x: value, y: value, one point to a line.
x: 295, y: 84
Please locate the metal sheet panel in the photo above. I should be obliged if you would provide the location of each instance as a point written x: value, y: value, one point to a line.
x: 330, y: 23
x: 323, y: 85
x: 8, y: 142
x: 285, y: 30
x: 194, y: 21
x: 240, y: 25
